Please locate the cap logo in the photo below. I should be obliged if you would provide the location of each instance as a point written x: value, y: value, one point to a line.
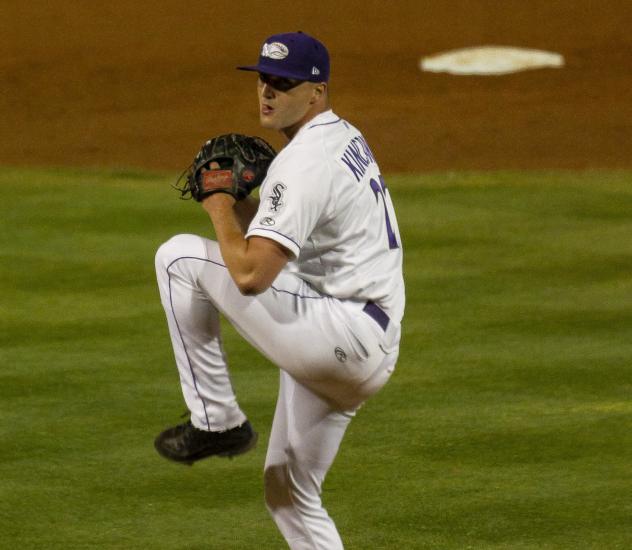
x: 315, y: 71
x: 275, y: 50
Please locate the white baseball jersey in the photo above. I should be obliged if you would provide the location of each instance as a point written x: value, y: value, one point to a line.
x: 320, y: 322
x: 324, y: 199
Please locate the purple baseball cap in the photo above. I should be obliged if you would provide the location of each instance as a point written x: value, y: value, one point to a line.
x: 293, y: 55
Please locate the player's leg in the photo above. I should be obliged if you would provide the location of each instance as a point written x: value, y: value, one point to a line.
x: 217, y: 425
x: 194, y: 326
x: 331, y: 347
x: 306, y: 435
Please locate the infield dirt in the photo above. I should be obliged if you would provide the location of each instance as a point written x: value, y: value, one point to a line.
x: 143, y: 84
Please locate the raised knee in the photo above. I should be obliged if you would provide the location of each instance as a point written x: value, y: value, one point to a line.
x: 177, y: 247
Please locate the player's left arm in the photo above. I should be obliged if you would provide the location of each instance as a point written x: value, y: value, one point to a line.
x: 252, y: 263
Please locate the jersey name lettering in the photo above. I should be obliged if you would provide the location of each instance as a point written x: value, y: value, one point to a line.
x: 357, y: 157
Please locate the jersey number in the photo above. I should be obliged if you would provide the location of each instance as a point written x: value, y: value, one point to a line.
x: 380, y: 191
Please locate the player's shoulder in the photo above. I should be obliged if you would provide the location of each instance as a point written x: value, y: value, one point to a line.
x: 326, y: 136
x: 315, y: 151
x: 329, y: 128
x: 309, y: 146
x: 327, y: 121
x: 325, y: 128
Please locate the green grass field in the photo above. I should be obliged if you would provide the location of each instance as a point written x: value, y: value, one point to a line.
x: 507, y: 425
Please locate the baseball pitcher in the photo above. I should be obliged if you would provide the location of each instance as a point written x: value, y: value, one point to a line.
x: 310, y: 274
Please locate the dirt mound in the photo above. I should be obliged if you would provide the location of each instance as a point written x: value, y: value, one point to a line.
x: 144, y: 83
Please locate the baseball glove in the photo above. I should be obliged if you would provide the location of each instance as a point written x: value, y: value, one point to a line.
x: 230, y: 163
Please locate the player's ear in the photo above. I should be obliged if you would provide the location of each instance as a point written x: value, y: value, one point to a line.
x: 319, y: 91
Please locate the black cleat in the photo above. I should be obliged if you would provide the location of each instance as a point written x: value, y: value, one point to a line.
x: 187, y: 444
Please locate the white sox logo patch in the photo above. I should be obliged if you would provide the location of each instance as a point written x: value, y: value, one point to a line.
x: 276, y: 197
x: 275, y: 50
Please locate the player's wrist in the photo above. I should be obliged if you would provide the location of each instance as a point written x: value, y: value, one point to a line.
x: 219, y: 198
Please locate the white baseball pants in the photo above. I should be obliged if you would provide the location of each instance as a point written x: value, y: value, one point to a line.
x: 332, y: 357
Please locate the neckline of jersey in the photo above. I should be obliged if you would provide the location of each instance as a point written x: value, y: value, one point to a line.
x: 320, y: 119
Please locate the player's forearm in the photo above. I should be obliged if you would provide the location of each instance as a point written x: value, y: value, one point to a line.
x: 242, y: 266
x: 245, y: 210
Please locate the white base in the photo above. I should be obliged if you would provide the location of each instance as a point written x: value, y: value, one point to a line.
x: 490, y: 60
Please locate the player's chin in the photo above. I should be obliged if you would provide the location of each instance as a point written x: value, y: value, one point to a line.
x: 268, y: 121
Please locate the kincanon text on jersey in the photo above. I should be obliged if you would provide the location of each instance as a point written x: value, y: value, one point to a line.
x: 354, y: 158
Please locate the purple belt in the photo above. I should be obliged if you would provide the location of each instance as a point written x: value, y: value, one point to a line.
x: 377, y: 313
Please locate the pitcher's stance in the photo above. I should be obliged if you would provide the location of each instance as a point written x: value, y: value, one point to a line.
x: 310, y: 275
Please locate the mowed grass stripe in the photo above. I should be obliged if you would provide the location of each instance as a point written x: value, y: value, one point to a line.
x: 506, y: 425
